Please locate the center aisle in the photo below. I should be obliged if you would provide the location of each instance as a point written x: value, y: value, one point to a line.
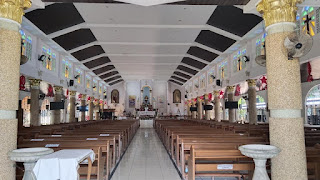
x: 146, y: 159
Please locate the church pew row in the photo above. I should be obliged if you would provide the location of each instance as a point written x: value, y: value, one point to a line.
x: 179, y: 136
x: 108, y: 139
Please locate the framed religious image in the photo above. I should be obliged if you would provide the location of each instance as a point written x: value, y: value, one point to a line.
x: 115, y: 96
x: 176, y: 96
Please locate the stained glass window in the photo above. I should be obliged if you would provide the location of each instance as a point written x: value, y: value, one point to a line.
x: 260, y: 44
x: 190, y: 87
x: 66, y: 69
x: 196, y: 84
x: 202, y: 80
x: 50, y: 61
x: 210, y: 76
x: 308, y: 20
x: 100, y: 88
x: 94, y: 86
x: 88, y: 81
x: 223, y: 70
x: 238, y: 62
x: 26, y: 45
x: 79, y: 75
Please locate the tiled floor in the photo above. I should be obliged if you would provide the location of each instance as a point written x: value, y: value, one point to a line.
x: 146, y: 159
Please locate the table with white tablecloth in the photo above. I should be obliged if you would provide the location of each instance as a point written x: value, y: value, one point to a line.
x: 146, y: 113
x: 62, y: 165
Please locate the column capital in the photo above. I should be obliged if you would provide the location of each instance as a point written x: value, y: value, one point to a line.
x: 206, y: 96
x: 216, y: 93
x: 199, y: 99
x: 230, y: 89
x: 58, y: 89
x: 13, y: 9
x: 73, y: 93
x: 278, y: 11
x: 35, y: 82
x: 251, y: 82
x: 83, y: 96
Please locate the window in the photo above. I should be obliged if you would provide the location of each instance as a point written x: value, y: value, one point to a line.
x: 88, y: 81
x: 26, y: 45
x: 260, y: 45
x: 196, y: 84
x: 66, y: 69
x: 50, y: 60
x: 210, y: 76
x: 238, y: 62
x: 94, y: 86
x: 223, y: 71
x: 79, y: 75
x: 202, y: 80
x: 308, y: 20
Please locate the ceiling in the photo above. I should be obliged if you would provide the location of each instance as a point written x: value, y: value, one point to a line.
x: 120, y: 41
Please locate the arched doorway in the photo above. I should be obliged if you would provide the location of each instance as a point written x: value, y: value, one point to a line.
x: 242, y: 110
x: 261, y: 109
x: 312, y: 103
x: 45, y: 112
x: 25, y: 105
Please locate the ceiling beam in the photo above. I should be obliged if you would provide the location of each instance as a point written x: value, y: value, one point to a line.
x: 66, y: 30
x: 103, y: 65
x: 191, y: 67
x: 83, y: 47
x: 114, y: 80
x: 105, y: 72
x: 93, y: 58
x: 223, y: 32
x: 111, y: 76
x: 177, y: 80
x: 185, y: 72
x: 207, y: 48
x: 180, y: 76
x: 198, y: 59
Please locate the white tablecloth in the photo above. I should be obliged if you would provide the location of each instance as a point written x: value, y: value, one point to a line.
x: 61, y: 165
x: 146, y: 113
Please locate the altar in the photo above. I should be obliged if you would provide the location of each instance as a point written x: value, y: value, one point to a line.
x: 146, y: 113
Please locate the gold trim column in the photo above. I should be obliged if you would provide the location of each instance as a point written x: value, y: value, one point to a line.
x: 232, y: 112
x: 206, y: 102
x: 72, y: 113
x: 217, y: 116
x: 83, y: 104
x: 284, y: 91
x: 252, y: 98
x: 34, y: 102
x: 200, y: 108
x: 56, y: 114
x: 11, y: 12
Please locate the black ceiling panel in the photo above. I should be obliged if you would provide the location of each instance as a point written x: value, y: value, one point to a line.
x: 112, y: 79
x: 176, y: 82
x: 179, y: 79
x: 214, y: 40
x: 182, y: 74
x: 75, y: 39
x: 232, y: 19
x: 116, y: 82
x: 97, y: 62
x: 108, y: 74
x: 55, y: 17
x: 186, y: 69
x: 88, y: 52
x: 103, y: 69
x: 202, y: 53
x: 193, y: 62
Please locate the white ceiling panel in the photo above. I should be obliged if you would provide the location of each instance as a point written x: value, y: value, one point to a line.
x: 146, y: 60
x: 132, y: 14
x: 144, y: 49
x: 145, y: 35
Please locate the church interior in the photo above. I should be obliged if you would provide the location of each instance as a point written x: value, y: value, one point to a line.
x: 160, y: 89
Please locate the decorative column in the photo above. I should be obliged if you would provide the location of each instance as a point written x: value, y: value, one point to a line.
x: 91, y: 108
x: 97, y: 107
x: 34, y: 102
x: 56, y: 114
x: 72, y: 113
x: 11, y: 13
x: 200, y: 108
x: 217, y: 106
x: 252, y: 96
x: 189, y: 104
x: 206, y: 102
x: 230, y: 92
x: 83, y: 104
x: 194, y: 113
x: 284, y: 91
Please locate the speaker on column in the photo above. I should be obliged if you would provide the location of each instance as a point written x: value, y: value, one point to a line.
x: 218, y: 82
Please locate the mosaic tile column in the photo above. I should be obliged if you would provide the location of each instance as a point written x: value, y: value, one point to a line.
x: 217, y: 106
x: 82, y: 104
x: 284, y: 91
x: 34, y: 102
x: 97, y: 109
x: 194, y: 113
x: 91, y: 108
x: 200, y: 108
x: 252, y: 96
x: 232, y: 112
x: 206, y: 102
x: 11, y: 13
x: 72, y: 113
x: 188, y: 109
x: 56, y: 114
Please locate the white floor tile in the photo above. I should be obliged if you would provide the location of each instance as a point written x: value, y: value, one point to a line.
x: 146, y: 159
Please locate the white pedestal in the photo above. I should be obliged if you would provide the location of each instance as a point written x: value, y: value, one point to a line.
x: 29, y: 157
x: 260, y: 153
